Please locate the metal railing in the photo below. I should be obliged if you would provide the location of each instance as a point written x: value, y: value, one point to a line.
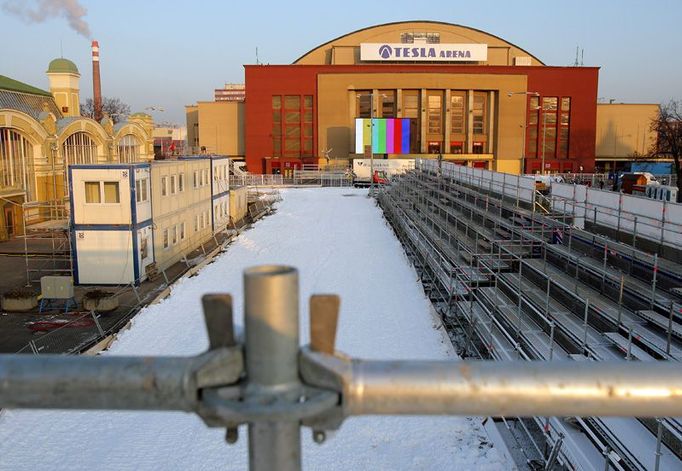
x: 630, y: 217
x: 256, y: 180
x: 321, y: 178
x: 276, y: 386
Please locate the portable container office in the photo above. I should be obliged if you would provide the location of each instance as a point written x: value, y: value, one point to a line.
x: 220, y: 188
x: 238, y: 203
x: 111, y: 223
x: 181, y: 203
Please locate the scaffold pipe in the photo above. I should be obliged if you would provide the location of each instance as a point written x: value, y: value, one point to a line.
x: 118, y: 383
x: 523, y: 389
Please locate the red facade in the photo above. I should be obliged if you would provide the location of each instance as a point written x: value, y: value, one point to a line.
x: 577, y: 83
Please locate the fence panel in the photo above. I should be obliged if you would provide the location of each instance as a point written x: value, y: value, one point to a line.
x: 509, y: 185
x: 660, y: 221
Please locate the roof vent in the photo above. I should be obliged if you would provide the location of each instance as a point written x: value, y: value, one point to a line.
x: 522, y: 60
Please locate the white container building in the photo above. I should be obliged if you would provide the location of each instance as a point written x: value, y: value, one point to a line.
x: 181, y: 205
x: 111, y: 223
x: 220, y: 188
x: 129, y: 218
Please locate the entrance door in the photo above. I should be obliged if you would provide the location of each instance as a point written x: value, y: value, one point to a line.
x: 9, y: 221
x: 434, y: 147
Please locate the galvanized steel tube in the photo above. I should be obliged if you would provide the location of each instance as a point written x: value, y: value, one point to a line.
x: 514, y: 388
x: 271, y: 325
x: 106, y: 382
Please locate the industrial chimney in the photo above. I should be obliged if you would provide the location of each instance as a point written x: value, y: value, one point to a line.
x: 96, y: 84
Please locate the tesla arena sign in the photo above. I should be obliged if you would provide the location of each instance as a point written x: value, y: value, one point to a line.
x: 389, y: 52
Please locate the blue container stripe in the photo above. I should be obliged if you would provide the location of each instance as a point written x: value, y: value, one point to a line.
x: 215, y: 197
x: 74, y: 255
x: 109, y: 166
x: 143, y: 224
x: 133, y: 215
x: 73, y: 214
x: 74, y: 248
x: 113, y: 227
x: 136, y: 259
x: 133, y: 198
x: 406, y: 136
x: 151, y: 219
x: 104, y: 227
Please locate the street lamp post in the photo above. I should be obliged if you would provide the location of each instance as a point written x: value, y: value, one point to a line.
x: 525, y: 127
x: 158, y: 109
x: 371, y: 145
x: 371, y: 141
x: 544, y: 137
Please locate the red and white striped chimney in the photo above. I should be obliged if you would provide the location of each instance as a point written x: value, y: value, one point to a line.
x: 96, y: 83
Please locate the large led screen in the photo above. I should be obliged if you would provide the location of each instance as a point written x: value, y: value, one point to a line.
x: 386, y: 135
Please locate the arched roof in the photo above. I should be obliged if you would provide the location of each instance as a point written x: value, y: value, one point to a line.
x: 127, y: 127
x: 73, y: 124
x: 23, y: 122
x: 504, y: 51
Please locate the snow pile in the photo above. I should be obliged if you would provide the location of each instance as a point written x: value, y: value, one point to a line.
x: 340, y: 244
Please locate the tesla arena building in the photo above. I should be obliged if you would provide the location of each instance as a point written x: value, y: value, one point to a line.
x: 421, y: 89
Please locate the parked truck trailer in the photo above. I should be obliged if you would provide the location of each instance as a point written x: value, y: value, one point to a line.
x: 384, y: 170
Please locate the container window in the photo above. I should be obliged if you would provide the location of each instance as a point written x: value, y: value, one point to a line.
x: 111, y: 194
x: 92, y: 192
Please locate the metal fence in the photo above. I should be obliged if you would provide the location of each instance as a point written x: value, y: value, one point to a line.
x: 516, y: 188
x: 297, y: 178
x: 657, y: 221
x: 256, y: 180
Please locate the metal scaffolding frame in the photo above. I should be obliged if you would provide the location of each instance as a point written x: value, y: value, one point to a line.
x: 545, y: 300
x: 47, y: 239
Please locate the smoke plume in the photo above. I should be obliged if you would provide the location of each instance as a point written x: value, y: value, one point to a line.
x: 44, y: 9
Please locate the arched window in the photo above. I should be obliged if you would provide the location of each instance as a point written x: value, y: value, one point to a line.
x: 16, y: 153
x: 79, y: 148
x: 128, y: 149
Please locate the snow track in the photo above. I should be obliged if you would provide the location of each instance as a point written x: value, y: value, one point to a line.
x: 340, y: 243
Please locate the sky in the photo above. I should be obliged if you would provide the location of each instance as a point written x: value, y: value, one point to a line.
x: 171, y: 53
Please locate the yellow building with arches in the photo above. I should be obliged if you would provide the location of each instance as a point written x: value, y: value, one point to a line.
x: 42, y: 132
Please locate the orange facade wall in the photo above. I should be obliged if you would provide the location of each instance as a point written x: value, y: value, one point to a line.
x: 578, y: 83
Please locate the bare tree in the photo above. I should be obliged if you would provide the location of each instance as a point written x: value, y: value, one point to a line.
x: 114, y: 107
x: 668, y: 129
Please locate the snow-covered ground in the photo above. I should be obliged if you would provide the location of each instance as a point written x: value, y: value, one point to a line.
x: 340, y: 243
